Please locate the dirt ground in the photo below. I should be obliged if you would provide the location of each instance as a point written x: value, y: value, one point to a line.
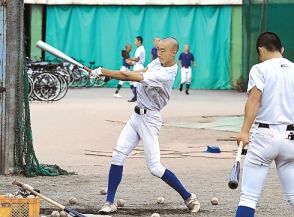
x: 80, y: 132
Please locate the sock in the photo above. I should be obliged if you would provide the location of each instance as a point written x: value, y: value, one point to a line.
x: 187, y: 87
x: 181, y: 87
x: 114, y: 178
x: 170, y: 178
x: 117, y: 88
x: 244, y: 211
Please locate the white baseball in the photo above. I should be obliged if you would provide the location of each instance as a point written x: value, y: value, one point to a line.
x: 160, y: 200
x: 55, y: 214
x: 103, y: 191
x: 214, y: 201
x: 155, y: 215
x: 72, y: 200
x: 31, y: 196
x: 120, y: 203
x: 63, y: 214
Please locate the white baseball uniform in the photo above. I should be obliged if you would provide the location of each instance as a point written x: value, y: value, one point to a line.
x: 153, y: 94
x: 123, y: 69
x: 275, y: 79
x: 186, y: 75
x: 140, y: 52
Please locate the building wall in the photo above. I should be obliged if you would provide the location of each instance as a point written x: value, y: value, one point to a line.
x: 236, y: 46
x: 36, y: 30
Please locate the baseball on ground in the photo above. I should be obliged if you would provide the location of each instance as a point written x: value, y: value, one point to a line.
x: 214, y: 201
x: 160, y: 200
x: 73, y: 200
x: 120, y: 203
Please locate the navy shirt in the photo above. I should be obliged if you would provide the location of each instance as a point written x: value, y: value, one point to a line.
x: 124, y: 63
x: 186, y: 59
x: 154, y: 53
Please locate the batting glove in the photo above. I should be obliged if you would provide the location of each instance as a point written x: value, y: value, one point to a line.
x: 96, y: 72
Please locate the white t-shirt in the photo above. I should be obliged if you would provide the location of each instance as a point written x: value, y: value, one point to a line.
x: 155, y: 89
x: 275, y: 79
x: 140, y: 52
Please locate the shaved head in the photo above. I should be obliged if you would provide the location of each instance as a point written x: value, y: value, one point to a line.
x: 173, y: 44
x: 167, y: 50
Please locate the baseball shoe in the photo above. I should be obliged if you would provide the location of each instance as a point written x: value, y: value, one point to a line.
x: 187, y: 92
x: 108, y: 208
x: 193, y: 204
x: 134, y: 99
x: 116, y: 95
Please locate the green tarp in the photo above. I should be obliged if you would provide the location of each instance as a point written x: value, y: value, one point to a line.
x: 99, y: 33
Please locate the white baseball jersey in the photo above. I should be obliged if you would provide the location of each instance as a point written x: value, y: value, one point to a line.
x: 275, y: 78
x: 155, y: 90
x: 140, y: 52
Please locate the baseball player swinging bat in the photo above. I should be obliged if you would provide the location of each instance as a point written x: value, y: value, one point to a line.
x: 235, y: 174
x: 30, y: 189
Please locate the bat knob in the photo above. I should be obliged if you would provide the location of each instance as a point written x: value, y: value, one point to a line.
x: 233, y: 184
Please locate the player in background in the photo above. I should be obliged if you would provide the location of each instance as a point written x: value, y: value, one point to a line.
x: 185, y: 60
x: 154, y: 49
x: 139, y: 60
x: 126, y: 65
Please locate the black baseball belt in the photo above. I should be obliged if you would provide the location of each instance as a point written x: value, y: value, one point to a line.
x: 140, y: 111
x: 289, y: 127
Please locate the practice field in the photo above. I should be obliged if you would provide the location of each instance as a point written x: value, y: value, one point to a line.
x: 80, y: 132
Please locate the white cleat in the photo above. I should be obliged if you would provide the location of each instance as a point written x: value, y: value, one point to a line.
x: 116, y: 95
x: 108, y: 208
x: 193, y: 204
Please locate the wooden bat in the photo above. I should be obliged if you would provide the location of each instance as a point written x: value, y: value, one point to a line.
x: 235, y: 173
x: 52, y: 50
x: 30, y: 189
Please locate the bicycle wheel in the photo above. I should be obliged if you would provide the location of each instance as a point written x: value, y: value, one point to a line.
x: 46, y: 87
x: 64, y: 87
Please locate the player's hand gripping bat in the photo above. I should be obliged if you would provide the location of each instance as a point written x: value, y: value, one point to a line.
x: 235, y: 174
x: 30, y: 189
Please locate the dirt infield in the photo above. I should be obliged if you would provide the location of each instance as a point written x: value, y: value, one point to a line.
x: 80, y: 132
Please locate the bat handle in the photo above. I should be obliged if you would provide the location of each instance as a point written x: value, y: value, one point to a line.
x: 87, y: 69
x: 239, y: 153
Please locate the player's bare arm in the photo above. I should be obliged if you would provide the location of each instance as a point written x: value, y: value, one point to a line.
x: 251, y: 109
x: 122, y: 75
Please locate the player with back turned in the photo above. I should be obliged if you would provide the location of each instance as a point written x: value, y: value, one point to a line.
x: 154, y: 91
x: 270, y: 107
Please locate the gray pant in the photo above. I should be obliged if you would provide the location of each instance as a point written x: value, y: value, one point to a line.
x: 145, y: 128
x: 268, y: 145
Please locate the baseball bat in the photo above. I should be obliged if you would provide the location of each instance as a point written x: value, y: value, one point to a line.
x: 52, y: 50
x: 30, y: 189
x: 235, y: 173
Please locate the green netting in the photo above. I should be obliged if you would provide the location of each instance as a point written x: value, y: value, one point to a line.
x: 25, y: 159
x: 266, y: 15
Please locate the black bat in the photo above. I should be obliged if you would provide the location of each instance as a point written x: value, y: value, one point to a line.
x: 235, y: 174
x: 33, y: 191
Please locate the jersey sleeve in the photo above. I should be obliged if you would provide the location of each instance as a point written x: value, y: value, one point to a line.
x: 256, y: 79
x: 192, y: 58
